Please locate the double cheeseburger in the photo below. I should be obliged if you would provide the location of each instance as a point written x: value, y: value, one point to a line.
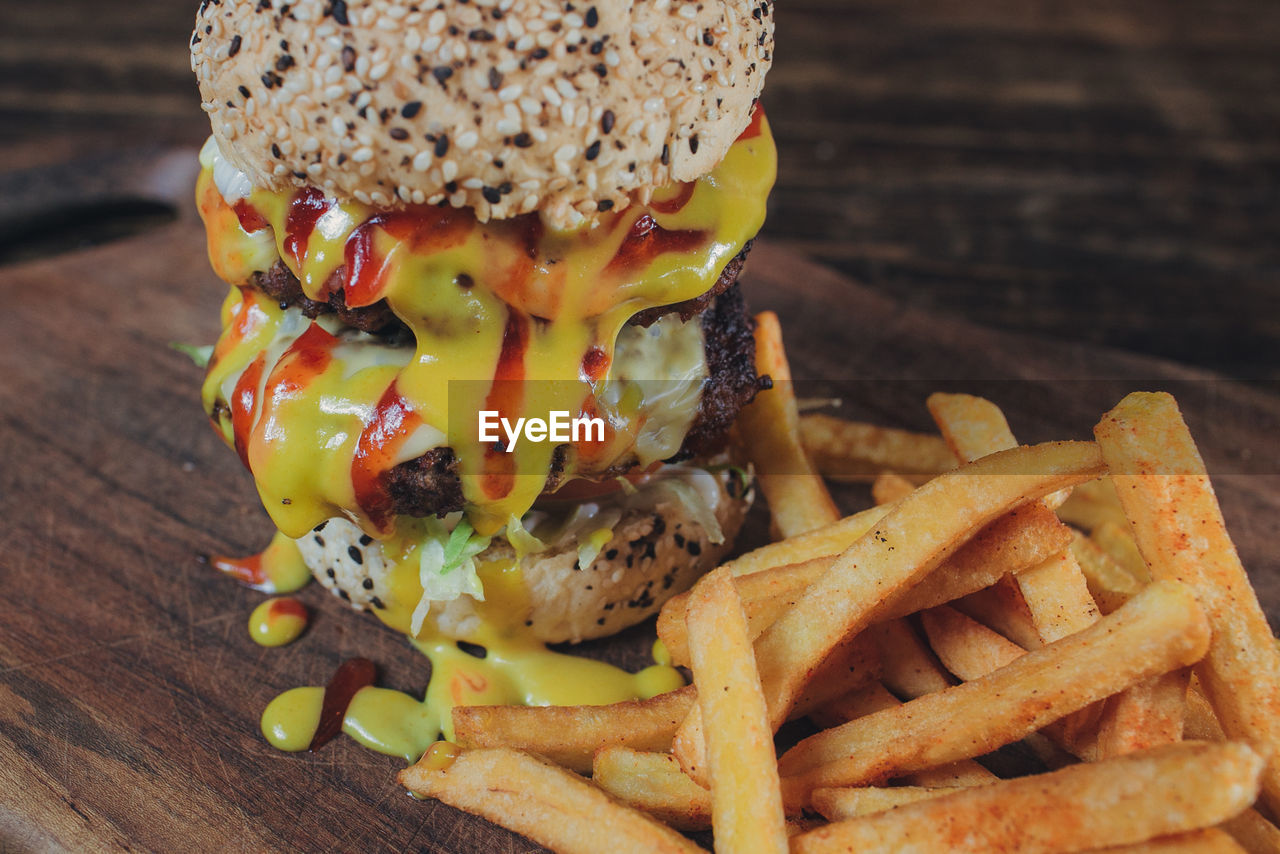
x: 432, y: 210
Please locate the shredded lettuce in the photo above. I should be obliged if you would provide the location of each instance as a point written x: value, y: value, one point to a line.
x: 447, y: 567
x: 696, y: 504
x: 199, y: 355
x: 521, y: 540
x: 590, y: 546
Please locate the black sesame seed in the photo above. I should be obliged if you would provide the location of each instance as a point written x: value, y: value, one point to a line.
x: 593, y: 150
x: 693, y: 144
x: 679, y: 538
x: 611, y: 554
x: 495, y: 79
x: 398, y: 133
x: 472, y: 649
x: 331, y: 573
x: 597, y: 47
x: 442, y: 145
x: 441, y: 73
x: 234, y: 48
x: 505, y: 187
x: 601, y: 70
x: 540, y: 53
x: 355, y: 554
x: 367, y: 584
x: 348, y: 58
x: 694, y: 548
x: 451, y: 187
x: 523, y: 140
x: 491, y: 195
x: 245, y: 91
x: 338, y: 9
x: 592, y: 17
x: 376, y: 602
x: 284, y: 63
x: 365, y: 539
x: 605, y: 205
x: 411, y: 109
x: 342, y: 158
x: 607, y: 120
x: 320, y: 527
x: 319, y: 540
x: 480, y: 36
x: 707, y: 38
x: 346, y: 597
x: 666, y: 155
x: 275, y: 151
x: 270, y: 79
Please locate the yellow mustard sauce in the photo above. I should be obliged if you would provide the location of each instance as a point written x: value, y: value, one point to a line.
x: 277, y: 621
x: 464, y: 303
x: 461, y: 301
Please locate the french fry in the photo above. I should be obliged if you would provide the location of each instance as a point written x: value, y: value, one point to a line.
x: 875, y: 698
x: 571, y: 735
x: 770, y: 435
x: 826, y: 541
x: 889, y: 488
x: 853, y: 450
x: 1002, y: 608
x: 1179, y: 529
x: 1110, y: 584
x: 1091, y: 504
x: 537, y: 799
x: 1147, y: 715
x: 1126, y: 800
x: 844, y: 803
x: 746, y: 796
x: 1118, y: 543
x: 850, y: 666
x: 1159, y: 630
x: 654, y: 784
x: 1207, y: 841
x: 1254, y: 833
x: 909, y: 542
x: 1013, y: 543
x: 1055, y: 593
x: 908, y: 668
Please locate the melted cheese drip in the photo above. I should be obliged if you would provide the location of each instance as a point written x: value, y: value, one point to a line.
x: 314, y: 413
x: 510, y: 316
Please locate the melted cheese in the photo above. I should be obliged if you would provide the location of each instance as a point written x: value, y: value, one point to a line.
x: 512, y: 316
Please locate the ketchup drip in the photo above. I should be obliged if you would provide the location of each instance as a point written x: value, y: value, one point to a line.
x: 506, y: 397
x: 247, y: 570
x: 307, y: 357
x: 392, y: 423
x: 422, y: 229
x: 646, y: 241
x: 677, y: 202
x: 305, y: 209
x: 753, y: 128
x: 594, y: 364
x: 244, y: 401
x: 248, y: 320
x: 250, y: 219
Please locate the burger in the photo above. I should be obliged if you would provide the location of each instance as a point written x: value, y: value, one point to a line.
x: 484, y: 342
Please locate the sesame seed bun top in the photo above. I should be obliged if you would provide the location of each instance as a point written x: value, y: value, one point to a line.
x: 504, y: 106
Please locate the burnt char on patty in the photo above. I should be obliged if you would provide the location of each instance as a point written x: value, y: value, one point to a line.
x: 429, y: 485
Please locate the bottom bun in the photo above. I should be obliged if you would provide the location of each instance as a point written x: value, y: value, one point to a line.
x: 658, y: 549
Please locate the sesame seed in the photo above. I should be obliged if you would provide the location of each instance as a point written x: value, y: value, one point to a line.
x: 442, y: 146
x: 522, y: 140
x: 411, y: 109
x: 338, y: 9
x: 363, y: 154
x: 606, y: 121
x: 510, y: 93
x: 234, y: 47
x: 593, y: 150
x: 593, y: 17
x: 422, y: 161
x: 491, y: 195
x: 398, y: 134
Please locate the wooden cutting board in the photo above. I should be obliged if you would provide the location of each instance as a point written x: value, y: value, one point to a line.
x: 129, y: 688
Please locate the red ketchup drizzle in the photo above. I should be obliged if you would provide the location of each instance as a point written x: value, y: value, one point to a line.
x: 423, y: 229
x: 352, y: 675
x: 646, y: 241
x: 250, y: 219
x: 287, y: 607
x: 594, y: 364
x: 392, y: 422
x: 305, y: 208
x: 247, y: 570
x: 244, y: 400
x: 676, y: 203
x: 506, y: 396
x: 753, y: 128
x: 307, y: 357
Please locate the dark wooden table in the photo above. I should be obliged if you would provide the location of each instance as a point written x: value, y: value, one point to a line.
x: 1097, y: 171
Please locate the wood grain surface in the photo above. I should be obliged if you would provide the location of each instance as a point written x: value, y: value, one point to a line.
x: 129, y: 688
x: 1093, y: 171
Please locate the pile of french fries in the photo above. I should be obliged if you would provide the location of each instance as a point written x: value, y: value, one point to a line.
x: 1082, y: 599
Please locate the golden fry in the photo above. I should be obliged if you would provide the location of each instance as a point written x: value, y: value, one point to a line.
x: 1159, y: 630
x: 544, y: 802
x: 1127, y: 800
x: 653, y: 783
x: 890, y: 488
x: 1178, y: 526
x: 746, y: 796
x: 849, y: 449
x: 770, y: 435
x: 570, y: 735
